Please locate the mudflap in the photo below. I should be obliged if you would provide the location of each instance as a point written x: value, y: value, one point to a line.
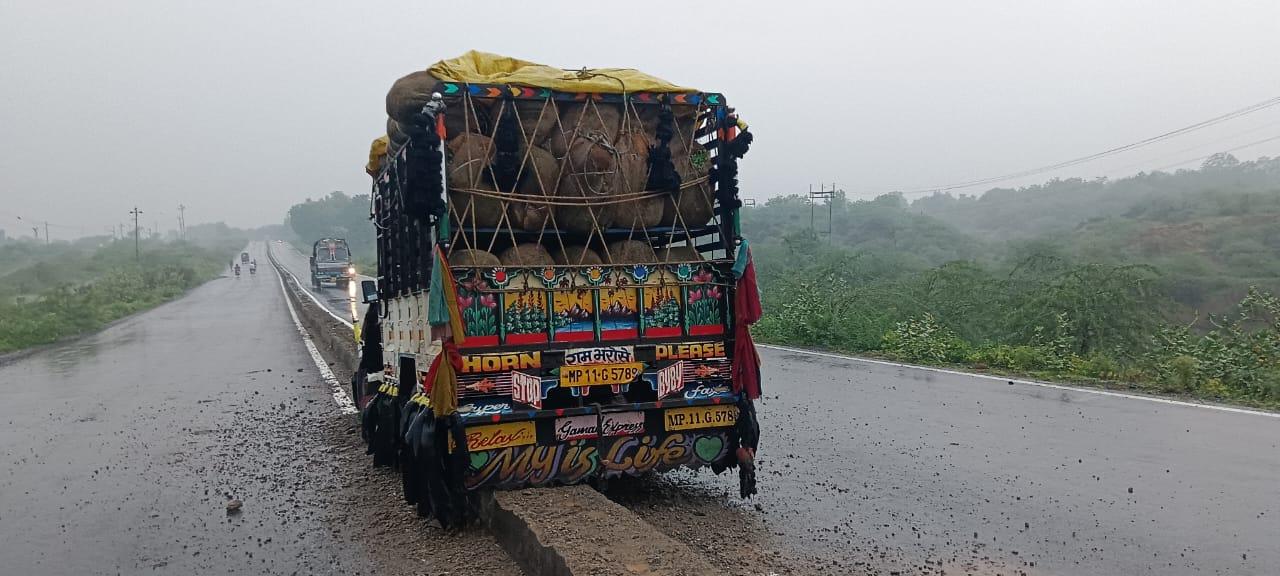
x: 433, y: 457
x: 743, y: 441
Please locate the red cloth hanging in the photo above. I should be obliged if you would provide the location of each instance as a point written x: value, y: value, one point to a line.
x: 746, y: 311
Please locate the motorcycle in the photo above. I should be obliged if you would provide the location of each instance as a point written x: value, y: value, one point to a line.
x: 237, y: 271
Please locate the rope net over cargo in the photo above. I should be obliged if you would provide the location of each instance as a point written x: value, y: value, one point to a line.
x: 527, y: 175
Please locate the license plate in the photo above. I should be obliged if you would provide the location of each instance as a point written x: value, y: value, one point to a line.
x: 600, y: 374
x: 700, y: 417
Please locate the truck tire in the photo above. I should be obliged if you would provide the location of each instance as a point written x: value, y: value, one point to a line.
x: 315, y: 281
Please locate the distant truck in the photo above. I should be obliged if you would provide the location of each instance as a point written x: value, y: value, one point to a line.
x: 331, y: 262
x: 244, y: 257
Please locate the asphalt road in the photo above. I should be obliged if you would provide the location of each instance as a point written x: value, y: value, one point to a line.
x: 120, y: 451
x: 868, y: 467
x: 344, y: 303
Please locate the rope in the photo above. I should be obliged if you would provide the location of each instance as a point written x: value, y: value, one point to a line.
x: 577, y: 201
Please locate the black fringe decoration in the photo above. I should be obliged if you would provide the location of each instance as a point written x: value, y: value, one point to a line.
x: 507, y: 148
x: 662, y: 172
x: 423, y: 185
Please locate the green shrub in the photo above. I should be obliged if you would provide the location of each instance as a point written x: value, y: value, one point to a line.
x: 1100, y: 366
x: 923, y: 339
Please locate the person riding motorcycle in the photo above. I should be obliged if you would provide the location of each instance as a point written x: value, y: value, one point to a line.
x: 253, y: 266
x: 237, y: 269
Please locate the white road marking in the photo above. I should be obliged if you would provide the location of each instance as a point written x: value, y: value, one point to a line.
x: 340, y: 395
x: 307, y: 292
x: 1027, y: 382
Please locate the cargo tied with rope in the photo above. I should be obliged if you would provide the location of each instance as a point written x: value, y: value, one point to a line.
x: 559, y: 259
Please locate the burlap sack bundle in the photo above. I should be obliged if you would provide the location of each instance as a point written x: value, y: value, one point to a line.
x: 409, y: 94
x: 631, y: 252
x: 470, y: 257
x: 694, y: 202
x: 396, y: 134
x: 589, y: 172
x: 679, y: 254
x: 539, y: 176
x: 578, y: 120
x: 576, y: 256
x: 469, y: 159
x: 527, y: 254
x: 537, y: 120
x: 632, y: 176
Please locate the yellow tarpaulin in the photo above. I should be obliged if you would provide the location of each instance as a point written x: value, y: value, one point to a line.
x: 377, y: 150
x: 484, y: 68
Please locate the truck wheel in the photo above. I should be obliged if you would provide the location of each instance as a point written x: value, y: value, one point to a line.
x: 315, y: 282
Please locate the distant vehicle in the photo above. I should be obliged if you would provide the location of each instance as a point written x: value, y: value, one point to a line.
x: 331, y: 262
x: 244, y: 257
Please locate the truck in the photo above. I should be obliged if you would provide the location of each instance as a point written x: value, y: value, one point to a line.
x: 331, y: 262
x: 560, y: 281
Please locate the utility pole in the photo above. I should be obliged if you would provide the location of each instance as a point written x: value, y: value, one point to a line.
x: 46, y: 232
x: 822, y: 193
x: 137, y: 254
x: 182, y: 222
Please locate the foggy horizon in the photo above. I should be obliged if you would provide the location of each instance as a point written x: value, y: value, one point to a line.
x: 240, y: 110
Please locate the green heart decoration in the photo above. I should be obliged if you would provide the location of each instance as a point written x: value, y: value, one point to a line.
x: 478, y: 460
x: 708, y: 448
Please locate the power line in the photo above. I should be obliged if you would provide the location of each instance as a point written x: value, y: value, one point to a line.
x: 1263, y: 105
x: 1227, y: 151
x: 1175, y: 153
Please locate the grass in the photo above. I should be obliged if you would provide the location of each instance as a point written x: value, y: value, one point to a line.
x: 76, y: 292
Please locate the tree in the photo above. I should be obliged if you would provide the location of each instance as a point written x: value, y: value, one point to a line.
x: 1220, y: 161
x: 336, y: 215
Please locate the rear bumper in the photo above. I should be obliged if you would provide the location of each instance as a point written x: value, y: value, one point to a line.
x: 333, y: 274
x: 481, y: 414
x: 526, y: 448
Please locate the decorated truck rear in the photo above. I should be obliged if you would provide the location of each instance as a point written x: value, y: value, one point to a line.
x: 563, y: 287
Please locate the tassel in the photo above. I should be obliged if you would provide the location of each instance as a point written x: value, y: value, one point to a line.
x: 662, y: 172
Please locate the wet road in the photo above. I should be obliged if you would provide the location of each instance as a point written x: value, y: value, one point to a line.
x: 120, y: 451
x: 893, y: 469
x: 344, y: 303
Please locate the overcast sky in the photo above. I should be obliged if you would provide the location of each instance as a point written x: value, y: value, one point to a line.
x: 239, y: 109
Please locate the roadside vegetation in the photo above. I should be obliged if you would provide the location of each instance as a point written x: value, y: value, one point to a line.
x: 336, y: 215
x: 48, y: 293
x: 1163, y: 283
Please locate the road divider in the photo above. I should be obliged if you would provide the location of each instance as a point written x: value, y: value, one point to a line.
x: 280, y: 268
x: 574, y: 530
x: 342, y: 349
